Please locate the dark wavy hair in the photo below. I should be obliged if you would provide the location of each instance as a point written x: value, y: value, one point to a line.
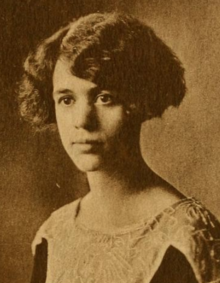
x: 114, y: 50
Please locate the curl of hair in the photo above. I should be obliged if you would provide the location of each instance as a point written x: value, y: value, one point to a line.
x: 114, y: 50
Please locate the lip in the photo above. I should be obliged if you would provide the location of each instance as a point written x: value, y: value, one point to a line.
x: 87, y: 146
x: 86, y: 141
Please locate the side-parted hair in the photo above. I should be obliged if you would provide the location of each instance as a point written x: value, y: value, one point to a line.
x: 115, y: 51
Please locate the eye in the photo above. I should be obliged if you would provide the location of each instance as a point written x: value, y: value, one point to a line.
x: 66, y: 100
x: 104, y: 99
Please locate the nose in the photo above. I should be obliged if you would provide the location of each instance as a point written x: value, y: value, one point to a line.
x: 85, y: 117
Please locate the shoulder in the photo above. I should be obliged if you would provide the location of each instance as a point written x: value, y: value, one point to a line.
x: 59, y: 220
x: 187, y: 218
x: 193, y: 217
x: 196, y: 234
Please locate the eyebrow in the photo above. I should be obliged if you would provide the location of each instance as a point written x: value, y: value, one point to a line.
x: 62, y: 91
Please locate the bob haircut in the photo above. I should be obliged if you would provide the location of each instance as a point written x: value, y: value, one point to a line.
x: 116, y: 51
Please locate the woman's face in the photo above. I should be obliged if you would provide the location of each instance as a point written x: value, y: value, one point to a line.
x: 93, y: 124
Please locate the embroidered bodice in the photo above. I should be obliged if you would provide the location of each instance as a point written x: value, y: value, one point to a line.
x: 80, y: 255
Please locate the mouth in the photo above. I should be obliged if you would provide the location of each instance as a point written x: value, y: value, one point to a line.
x: 87, y: 146
x: 87, y: 141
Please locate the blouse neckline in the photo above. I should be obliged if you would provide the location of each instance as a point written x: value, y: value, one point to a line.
x: 144, y: 223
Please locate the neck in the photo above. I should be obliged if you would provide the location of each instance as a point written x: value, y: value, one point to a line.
x: 121, y: 179
x: 118, y: 193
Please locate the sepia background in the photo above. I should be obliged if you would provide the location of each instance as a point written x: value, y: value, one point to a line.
x: 36, y: 176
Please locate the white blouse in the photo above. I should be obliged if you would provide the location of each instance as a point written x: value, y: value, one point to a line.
x: 77, y: 254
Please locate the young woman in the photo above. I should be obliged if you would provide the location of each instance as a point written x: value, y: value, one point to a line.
x: 98, y: 79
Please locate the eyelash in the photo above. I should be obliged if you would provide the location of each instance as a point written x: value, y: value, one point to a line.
x: 105, y: 95
x: 71, y: 100
x: 62, y: 99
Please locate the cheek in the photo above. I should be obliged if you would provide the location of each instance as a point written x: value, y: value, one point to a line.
x: 64, y: 126
x: 112, y: 121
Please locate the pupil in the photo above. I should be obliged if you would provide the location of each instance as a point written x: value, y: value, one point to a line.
x: 67, y: 100
x: 105, y: 98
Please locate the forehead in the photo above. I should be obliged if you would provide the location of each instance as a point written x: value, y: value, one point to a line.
x: 64, y: 79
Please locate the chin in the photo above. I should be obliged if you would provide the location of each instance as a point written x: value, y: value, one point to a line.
x: 88, y: 163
